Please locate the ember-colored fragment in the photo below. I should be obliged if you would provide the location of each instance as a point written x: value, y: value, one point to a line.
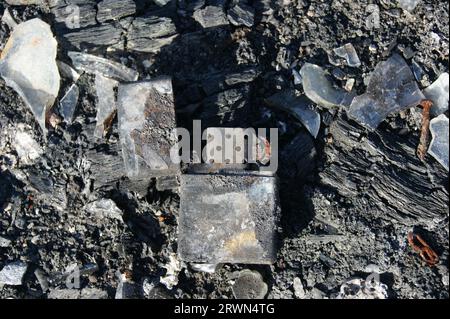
x: 423, y: 144
x: 425, y: 251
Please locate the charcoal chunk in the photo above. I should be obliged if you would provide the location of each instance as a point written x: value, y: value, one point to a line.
x: 211, y: 16
x: 102, y: 35
x: 115, y: 9
x: 227, y: 108
x: 150, y: 34
x: 298, y: 158
x: 241, y: 14
x: 52, y: 192
x: 106, y: 165
x: 374, y: 168
x: 191, y: 5
x: 75, y: 15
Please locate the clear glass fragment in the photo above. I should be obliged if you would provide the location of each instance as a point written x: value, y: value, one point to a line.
x: 348, y: 53
x: 409, y: 5
x: 146, y: 116
x: 92, y: 64
x: 37, y: 83
x: 391, y: 89
x: 320, y: 90
x: 68, y: 104
x: 439, y: 94
x: 8, y: 19
x: 67, y: 71
x: 106, y: 106
x: 440, y: 140
x: 299, y: 107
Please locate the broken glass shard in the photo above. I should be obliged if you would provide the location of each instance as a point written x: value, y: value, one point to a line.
x: 440, y: 141
x: 373, y: 20
x: 92, y: 64
x: 439, y: 94
x: 4, y: 242
x: 299, y: 290
x: 349, y: 85
x: 211, y: 16
x: 228, y: 219
x: 161, y: 3
x: 348, y: 53
x: 106, y: 106
x: 146, y: 116
x: 417, y: 71
x: 408, y: 5
x: 320, y: 90
x: 67, y: 71
x: 297, y: 77
x: 37, y: 83
x: 358, y: 288
x: 392, y: 88
x: 68, y: 103
x: 12, y: 274
x: 8, y: 19
x: 300, y: 107
x: 208, y: 268
x: 27, y: 148
x: 173, y: 268
x: 104, y: 208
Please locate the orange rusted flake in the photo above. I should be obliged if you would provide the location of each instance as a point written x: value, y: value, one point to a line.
x: 424, y: 132
x: 161, y: 219
x: 424, y: 250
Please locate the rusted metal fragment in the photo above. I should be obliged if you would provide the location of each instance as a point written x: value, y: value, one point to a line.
x: 228, y: 219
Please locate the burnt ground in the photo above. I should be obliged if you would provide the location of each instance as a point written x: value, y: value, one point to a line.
x: 344, y: 211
